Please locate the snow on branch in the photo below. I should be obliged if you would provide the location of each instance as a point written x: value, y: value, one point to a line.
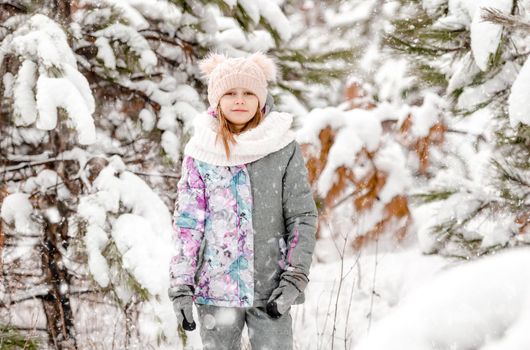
x: 48, y: 79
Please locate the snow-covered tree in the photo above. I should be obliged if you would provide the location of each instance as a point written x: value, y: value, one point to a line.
x: 476, y: 54
x: 364, y: 151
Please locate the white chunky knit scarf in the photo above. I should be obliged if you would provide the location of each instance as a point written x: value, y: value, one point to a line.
x: 271, y: 135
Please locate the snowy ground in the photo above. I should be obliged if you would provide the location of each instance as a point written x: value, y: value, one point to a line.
x: 418, y: 302
x: 355, y: 311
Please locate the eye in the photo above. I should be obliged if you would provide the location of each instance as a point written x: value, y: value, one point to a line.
x: 230, y: 93
x: 249, y: 93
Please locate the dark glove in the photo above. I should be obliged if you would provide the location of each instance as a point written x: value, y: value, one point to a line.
x: 182, y: 298
x: 290, y: 287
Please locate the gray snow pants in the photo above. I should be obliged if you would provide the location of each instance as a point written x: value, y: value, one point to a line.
x: 221, y: 328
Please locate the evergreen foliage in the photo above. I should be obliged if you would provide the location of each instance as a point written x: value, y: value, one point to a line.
x: 437, y: 39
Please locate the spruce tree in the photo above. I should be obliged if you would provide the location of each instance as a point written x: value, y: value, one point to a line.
x: 476, y: 58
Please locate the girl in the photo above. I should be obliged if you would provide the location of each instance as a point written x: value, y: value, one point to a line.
x: 245, y: 220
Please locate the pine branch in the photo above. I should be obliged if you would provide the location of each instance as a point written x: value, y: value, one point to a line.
x: 509, y: 175
x: 494, y: 15
x: 433, y: 196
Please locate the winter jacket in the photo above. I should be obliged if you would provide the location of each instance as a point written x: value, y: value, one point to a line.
x: 239, y: 227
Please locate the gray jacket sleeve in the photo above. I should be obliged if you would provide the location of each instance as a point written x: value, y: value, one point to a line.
x: 300, y: 215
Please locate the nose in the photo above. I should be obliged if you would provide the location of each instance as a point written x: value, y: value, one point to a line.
x: 240, y: 99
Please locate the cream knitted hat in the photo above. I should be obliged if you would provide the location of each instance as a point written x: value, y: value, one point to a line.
x: 225, y: 73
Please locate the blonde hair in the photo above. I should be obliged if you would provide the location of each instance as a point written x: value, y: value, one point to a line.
x: 227, y: 130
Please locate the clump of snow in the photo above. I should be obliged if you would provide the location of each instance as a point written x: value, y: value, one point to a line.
x: 519, y: 100
x: 148, y: 119
x: 472, y: 96
x: 130, y: 37
x: 96, y: 240
x: 45, y: 181
x: 171, y: 145
x: 105, y: 52
x: 16, y: 209
x: 426, y: 116
x: 71, y: 100
x: 24, y: 95
x: 399, y: 178
x: 482, y: 305
x: 142, y: 251
x: 276, y: 18
x: 43, y: 46
x: 143, y: 236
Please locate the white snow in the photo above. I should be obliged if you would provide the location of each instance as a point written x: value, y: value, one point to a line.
x: 137, y: 43
x: 149, y: 213
x: 142, y: 251
x: 276, y: 18
x: 464, y: 71
x: 171, y: 145
x: 47, y: 180
x: 24, y: 96
x: 426, y: 116
x: 43, y: 46
x: 95, y: 240
x: 391, y: 161
x: 105, y: 52
x: 476, y: 94
x: 16, y: 209
x: 477, y: 305
x: 132, y: 15
x: 148, y: 119
x: 71, y: 99
x: 251, y: 8
x: 42, y: 40
x: 485, y: 36
x: 519, y: 99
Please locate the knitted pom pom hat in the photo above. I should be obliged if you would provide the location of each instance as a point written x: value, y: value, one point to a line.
x: 225, y: 73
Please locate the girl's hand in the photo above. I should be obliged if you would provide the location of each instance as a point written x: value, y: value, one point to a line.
x: 182, y: 298
x: 282, y: 298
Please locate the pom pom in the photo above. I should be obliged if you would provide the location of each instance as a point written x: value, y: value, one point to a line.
x: 266, y: 64
x: 208, y: 64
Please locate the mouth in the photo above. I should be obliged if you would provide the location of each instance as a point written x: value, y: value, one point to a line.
x: 239, y: 110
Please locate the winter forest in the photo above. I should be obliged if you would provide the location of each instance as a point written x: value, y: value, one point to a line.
x: 414, y: 121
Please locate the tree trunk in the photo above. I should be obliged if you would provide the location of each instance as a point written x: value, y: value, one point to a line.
x: 56, y: 303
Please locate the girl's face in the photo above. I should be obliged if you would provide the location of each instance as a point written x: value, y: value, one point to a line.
x: 239, y: 106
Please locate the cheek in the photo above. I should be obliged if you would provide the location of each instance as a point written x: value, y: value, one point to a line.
x: 225, y: 105
x: 253, y: 103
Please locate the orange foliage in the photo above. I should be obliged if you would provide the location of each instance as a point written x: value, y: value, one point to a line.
x: 365, y: 194
x: 421, y: 145
x: 396, y: 210
x: 314, y: 164
x: 369, y: 187
x: 344, y: 177
x: 523, y: 221
x: 356, y: 96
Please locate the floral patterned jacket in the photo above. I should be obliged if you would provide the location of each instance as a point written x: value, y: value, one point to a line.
x: 238, y: 228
